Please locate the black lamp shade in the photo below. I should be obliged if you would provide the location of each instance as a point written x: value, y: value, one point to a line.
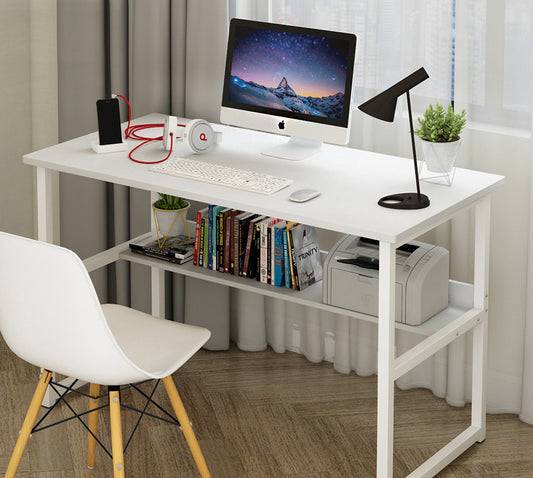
x: 383, y: 106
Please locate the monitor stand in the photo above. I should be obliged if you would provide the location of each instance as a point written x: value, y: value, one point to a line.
x: 296, y: 149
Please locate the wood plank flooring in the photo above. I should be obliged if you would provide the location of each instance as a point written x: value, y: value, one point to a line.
x: 262, y: 414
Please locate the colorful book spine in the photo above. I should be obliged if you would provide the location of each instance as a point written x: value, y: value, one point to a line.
x: 227, y: 240
x: 197, y: 238
x: 293, y: 261
x: 286, y: 260
x: 264, y: 242
x: 235, y: 252
x: 221, y: 231
x: 248, y: 250
x: 197, y: 231
x: 201, y: 242
x: 214, y: 237
x: 253, y: 268
x: 278, y: 276
x: 271, y: 252
x: 206, y: 242
x: 290, y: 225
x: 258, y: 252
x: 243, y: 238
x: 210, y: 237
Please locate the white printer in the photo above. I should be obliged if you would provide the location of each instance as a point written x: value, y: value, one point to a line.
x: 351, y: 272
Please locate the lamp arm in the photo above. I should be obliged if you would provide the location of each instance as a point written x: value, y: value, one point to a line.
x: 413, y: 143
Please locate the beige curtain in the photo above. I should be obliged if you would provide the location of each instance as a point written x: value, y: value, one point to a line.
x: 163, y: 56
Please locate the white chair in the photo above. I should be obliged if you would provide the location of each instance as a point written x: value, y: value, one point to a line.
x: 50, y: 316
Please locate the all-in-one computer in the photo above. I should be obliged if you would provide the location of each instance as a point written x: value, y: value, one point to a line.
x: 289, y: 80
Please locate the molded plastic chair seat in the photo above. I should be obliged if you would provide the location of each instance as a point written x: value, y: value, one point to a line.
x: 50, y: 316
x: 157, y: 346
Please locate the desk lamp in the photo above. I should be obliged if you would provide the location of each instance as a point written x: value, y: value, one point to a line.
x: 383, y: 107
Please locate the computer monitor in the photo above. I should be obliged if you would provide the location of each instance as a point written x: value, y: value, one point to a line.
x: 289, y: 80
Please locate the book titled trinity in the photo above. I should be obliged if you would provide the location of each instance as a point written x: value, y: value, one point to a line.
x: 306, y: 255
x: 177, y: 249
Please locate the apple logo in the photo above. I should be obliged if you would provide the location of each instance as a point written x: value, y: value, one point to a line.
x: 281, y: 124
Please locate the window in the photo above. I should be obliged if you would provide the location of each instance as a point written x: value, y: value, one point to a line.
x: 396, y: 38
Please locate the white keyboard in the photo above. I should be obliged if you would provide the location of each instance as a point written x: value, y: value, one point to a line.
x: 223, y: 175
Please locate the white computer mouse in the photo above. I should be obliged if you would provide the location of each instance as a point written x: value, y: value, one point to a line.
x: 302, y: 195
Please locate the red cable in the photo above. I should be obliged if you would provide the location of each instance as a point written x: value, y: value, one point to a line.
x: 152, y: 162
x: 132, y: 132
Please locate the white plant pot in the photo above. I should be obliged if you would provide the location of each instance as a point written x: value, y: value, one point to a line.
x: 440, y: 157
x: 171, y: 222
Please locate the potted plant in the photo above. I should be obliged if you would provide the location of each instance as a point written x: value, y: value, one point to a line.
x: 440, y: 133
x: 170, y: 216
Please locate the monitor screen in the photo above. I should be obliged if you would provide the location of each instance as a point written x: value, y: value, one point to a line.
x: 289, y: 80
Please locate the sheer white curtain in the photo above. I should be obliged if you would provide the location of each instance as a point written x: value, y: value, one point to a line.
x: 478, y: 54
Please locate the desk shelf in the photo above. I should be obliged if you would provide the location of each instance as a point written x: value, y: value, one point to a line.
x: 461, y: 295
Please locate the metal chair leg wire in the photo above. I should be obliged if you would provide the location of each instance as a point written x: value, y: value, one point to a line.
x: 32, y: 425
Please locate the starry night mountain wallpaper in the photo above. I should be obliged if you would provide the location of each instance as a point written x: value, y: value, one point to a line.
x: 289, y: 71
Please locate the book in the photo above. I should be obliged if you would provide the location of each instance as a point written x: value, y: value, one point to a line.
x: 214, y: 236
x: 227, y: 242
x: 248, y: 250
x: 290, y: 225
x: 233, y: 213
x: 197, y: 230
x: 278, y: 275
x: 221, y: 225
x: 201, y: 247
x: 210, y: 237
x: 307, y: 259
x: 206, y: 242
x: 244, y: 224
x: 253, y: 267
x: 176, y: 249
x: 236, y: 240
x: 264, y: 256
x: 286, y: 259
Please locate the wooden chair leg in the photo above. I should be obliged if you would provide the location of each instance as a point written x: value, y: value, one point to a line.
x: 29, y: 421
x: 116, y: 433
x: 181, y: 415
x: 94, y: 391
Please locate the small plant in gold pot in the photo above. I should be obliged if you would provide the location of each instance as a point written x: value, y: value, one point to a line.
x: 170, y: 217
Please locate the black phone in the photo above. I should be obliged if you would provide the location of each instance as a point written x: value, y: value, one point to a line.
x: 108, y: 113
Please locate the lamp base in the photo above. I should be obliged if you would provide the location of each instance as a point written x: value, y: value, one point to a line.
x: 405, y: 201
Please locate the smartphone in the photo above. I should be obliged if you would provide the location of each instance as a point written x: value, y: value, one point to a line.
x: 108, y: 113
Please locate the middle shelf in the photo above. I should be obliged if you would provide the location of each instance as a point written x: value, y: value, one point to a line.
x: 460, y: 294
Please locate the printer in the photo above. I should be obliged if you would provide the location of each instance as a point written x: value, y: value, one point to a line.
x: 351, y: 270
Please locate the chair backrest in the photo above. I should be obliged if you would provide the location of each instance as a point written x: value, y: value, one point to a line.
x: 50, y: 314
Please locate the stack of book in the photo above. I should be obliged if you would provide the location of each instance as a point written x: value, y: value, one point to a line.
x: 177, y: 249
x: 267, y: 249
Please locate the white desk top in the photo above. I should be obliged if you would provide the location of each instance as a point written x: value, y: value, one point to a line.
x: 351, y: 182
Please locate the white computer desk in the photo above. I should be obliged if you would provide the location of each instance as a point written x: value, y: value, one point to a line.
x: 351, y: 182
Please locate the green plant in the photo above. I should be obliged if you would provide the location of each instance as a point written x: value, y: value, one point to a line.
x: 169, y: 202
x: 439, y: 125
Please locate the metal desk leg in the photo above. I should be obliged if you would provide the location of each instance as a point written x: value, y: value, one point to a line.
x: 387, y: 274
x: 45, y: 211
x: 158, y: 292
x: 157, y: 275
x: 45, y: 234
x: 481, y: 295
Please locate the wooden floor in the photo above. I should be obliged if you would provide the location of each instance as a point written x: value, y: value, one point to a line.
x: 262, y: 414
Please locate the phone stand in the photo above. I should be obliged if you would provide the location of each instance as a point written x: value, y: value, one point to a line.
x: 109, y: 148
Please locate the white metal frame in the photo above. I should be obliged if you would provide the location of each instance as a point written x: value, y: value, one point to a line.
x: 390, y: 368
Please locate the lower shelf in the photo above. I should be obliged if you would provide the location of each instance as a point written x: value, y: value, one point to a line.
x: 460, y: 294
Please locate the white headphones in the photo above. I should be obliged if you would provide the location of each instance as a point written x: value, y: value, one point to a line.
x: 197, y: 135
